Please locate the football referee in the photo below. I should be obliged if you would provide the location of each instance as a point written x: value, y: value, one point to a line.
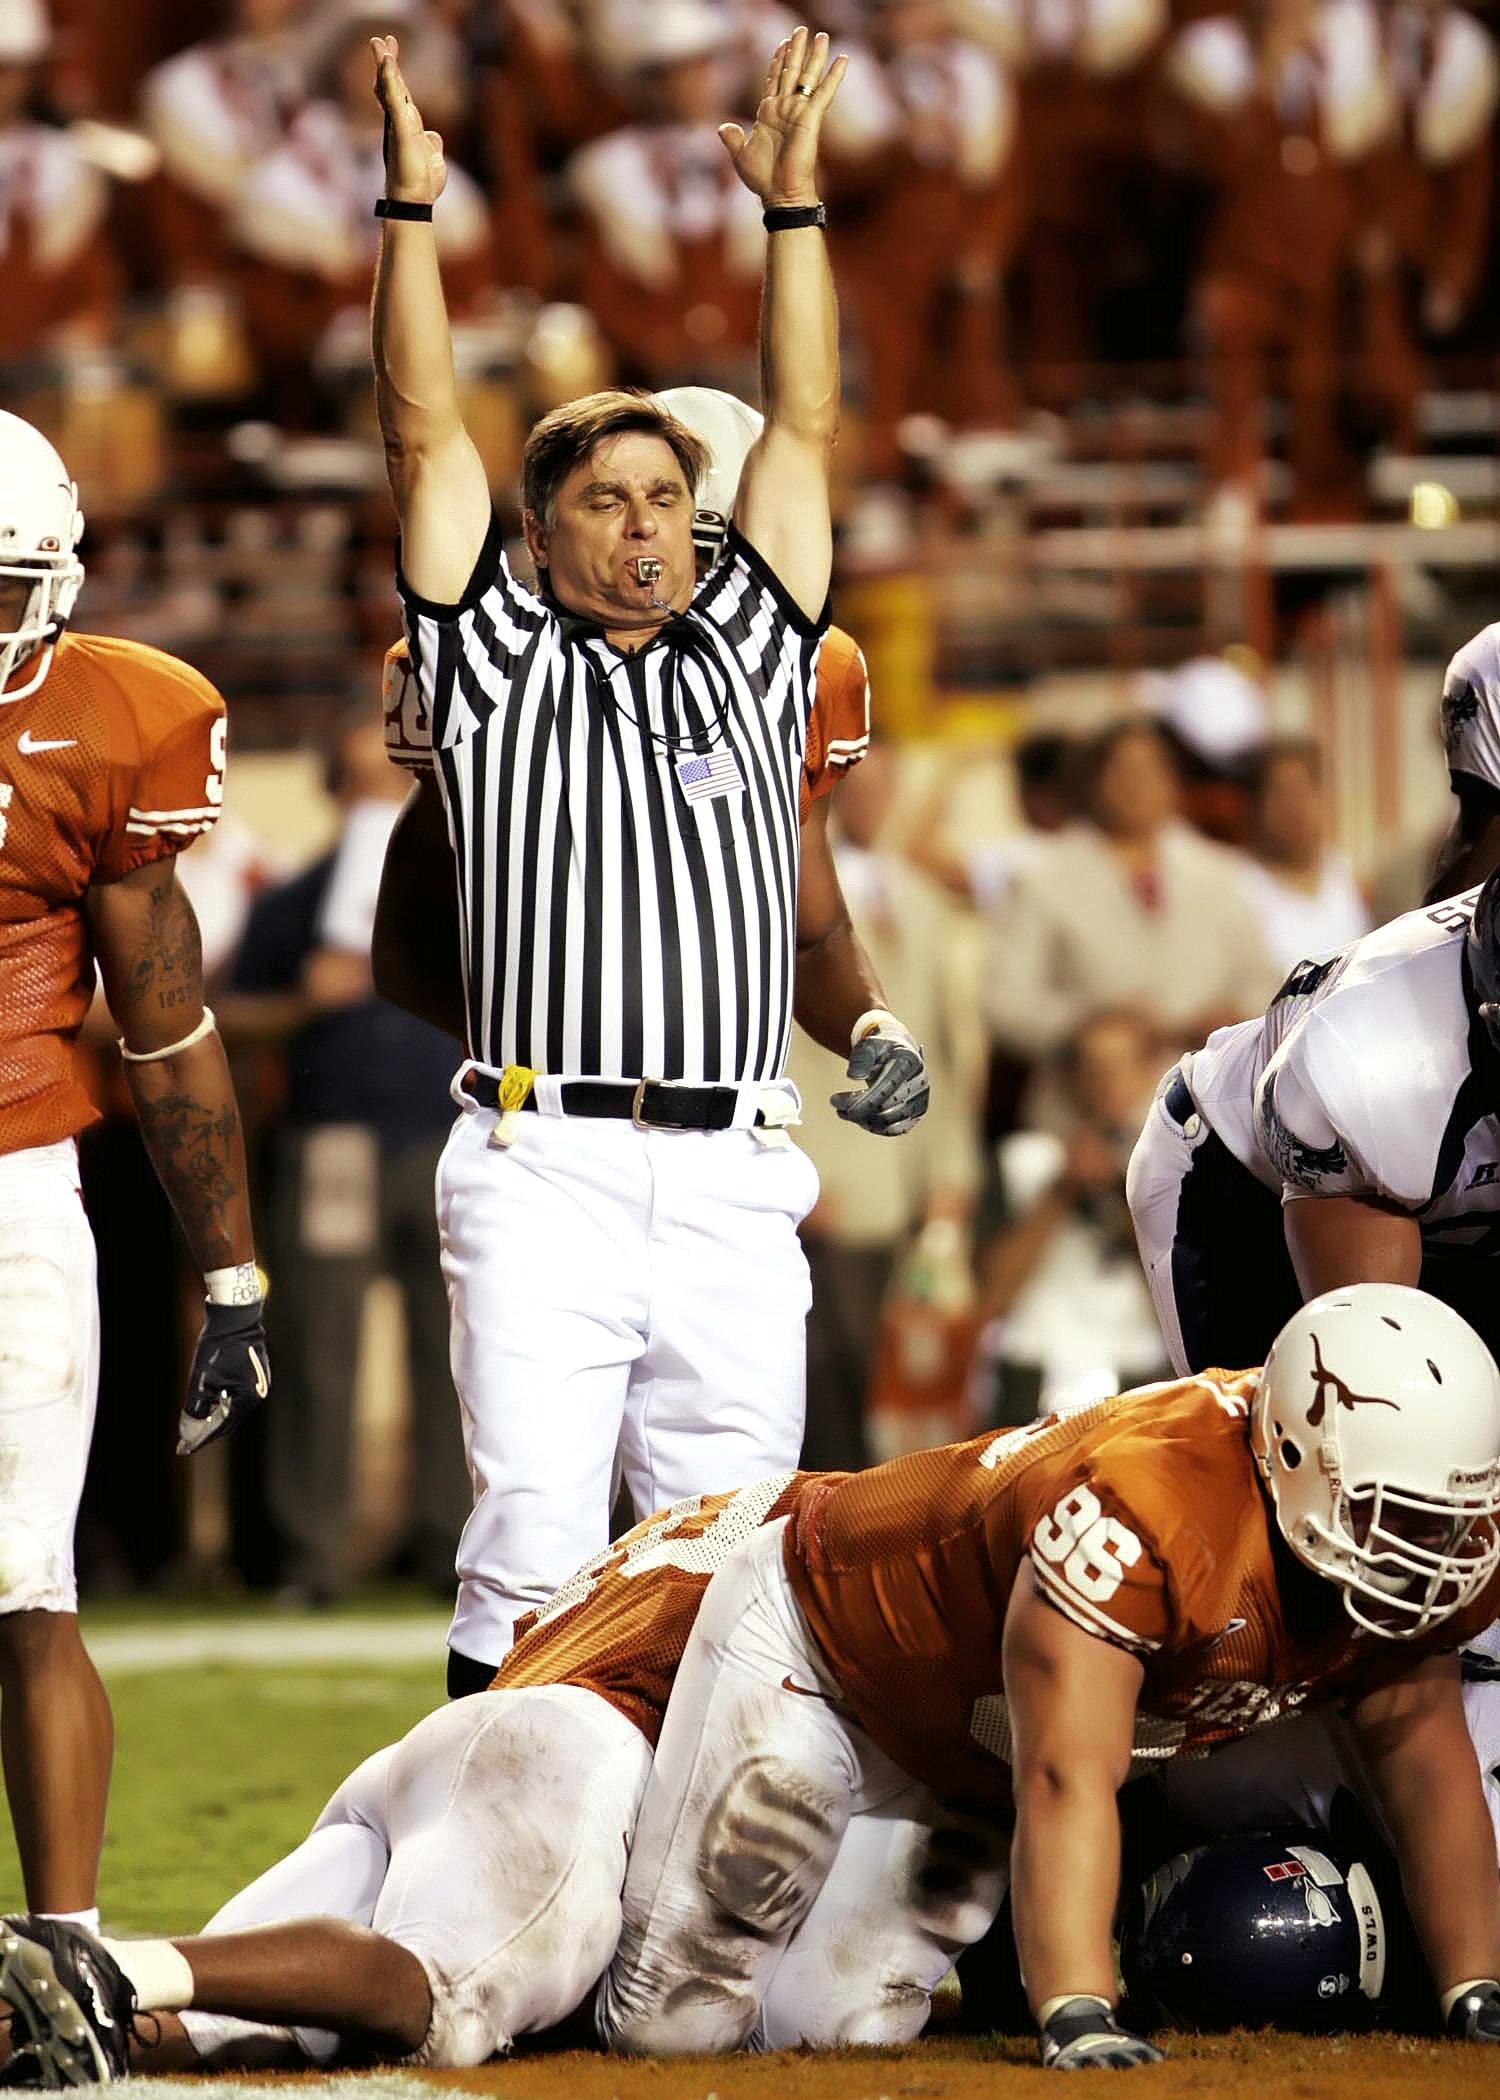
x: 620, y: 756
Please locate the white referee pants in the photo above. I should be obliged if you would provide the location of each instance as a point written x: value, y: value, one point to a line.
x: 49, y: 1373
x: 490, y: 1843
x: 621, y: 1298
x: 789, y: 1883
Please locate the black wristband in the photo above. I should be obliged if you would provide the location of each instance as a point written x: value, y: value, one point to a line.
x: 400, y: 208
x: 785, y: 218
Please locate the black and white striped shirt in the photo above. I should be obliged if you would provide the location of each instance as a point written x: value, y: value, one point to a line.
x: 612, y: 927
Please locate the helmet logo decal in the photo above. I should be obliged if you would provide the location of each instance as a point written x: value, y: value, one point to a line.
x: 1344, y: 1395
x: 1321, y: 1908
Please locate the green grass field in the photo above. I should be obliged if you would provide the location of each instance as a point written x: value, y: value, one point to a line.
x: 221, y: 1765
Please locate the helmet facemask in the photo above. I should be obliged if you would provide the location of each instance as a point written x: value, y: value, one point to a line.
x: 710, y: 530
x: 1404, y: 1562
x: 40, y: 527
x: 52, y: 591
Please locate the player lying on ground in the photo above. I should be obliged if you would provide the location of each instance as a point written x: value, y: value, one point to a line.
x: 998, y: 1624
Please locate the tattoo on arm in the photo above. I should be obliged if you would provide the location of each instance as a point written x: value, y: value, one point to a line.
x: 192, y: 1133
x: 165, y: 970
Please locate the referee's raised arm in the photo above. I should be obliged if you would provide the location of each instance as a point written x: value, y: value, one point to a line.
x: 782, y: 506
x: 437, y: 478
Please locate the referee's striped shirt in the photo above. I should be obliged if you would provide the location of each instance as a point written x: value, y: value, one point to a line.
x: 612, y: 927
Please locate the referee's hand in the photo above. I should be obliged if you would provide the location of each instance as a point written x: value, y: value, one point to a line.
x: 415, y: 170
x: 778, y: 157
x: 894, y: 1089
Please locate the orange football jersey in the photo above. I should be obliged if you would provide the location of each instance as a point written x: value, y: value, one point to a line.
x: 117, y: 759
x: 1143, y: 1521
x: 838, y: 731
x: 619, y: 1626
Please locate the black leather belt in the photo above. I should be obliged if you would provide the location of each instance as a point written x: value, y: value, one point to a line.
x: 1177, y: 1101
x: 649, y: 1103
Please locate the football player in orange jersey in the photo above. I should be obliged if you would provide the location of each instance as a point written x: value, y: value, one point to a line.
x: 111, y: 761
x: 879, y: 1678
x: 1011, y: 1624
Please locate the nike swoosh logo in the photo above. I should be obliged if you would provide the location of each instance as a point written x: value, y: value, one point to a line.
x: 807, y: 1691
x: 1234, y: 1626
x: 262, y: 1382
x: 27, y: 744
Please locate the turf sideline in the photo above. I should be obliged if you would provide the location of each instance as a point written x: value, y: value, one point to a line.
x: 275, y: 1643
x: 342, y: 2085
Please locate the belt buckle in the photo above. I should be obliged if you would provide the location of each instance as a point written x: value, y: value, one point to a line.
x: 637, y: 1100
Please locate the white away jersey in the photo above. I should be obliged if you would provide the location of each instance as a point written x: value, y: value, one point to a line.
x: 1367, y: 1077
x: 1471, y: 710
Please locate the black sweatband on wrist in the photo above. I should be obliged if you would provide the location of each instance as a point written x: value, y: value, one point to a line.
x: 400, y: 208
x: 785, y: 218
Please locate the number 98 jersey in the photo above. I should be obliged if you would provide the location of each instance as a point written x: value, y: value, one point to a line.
x: 1141, y: 1520
x: 115, y: 761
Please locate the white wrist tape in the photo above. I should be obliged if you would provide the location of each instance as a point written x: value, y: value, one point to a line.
x: 874, y: 1018
x: 1475, y: 1983
x: 149, y: 1057
x: 244, y: 1284
x: 1049, y: 2006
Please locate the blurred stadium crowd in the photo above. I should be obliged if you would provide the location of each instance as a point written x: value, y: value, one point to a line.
x: 1153, y: 264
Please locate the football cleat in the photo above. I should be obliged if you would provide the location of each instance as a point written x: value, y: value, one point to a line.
x: 71, y: 2006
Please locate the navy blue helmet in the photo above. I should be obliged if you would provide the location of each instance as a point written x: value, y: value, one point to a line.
x: 1253, y: 1931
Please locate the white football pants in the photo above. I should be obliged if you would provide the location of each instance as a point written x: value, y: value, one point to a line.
x: 490, y: 1842
x: 620, y: 1297
x: 789, y: 1883
x: 49, y: 1373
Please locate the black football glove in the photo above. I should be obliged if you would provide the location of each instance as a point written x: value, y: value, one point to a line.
x: 1084, y: 2034
x: 893, y: 1096
x: 1475, y: 2017
x: 231, y: 1374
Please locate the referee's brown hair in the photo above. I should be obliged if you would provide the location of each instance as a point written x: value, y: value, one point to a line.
x: 566, y: 436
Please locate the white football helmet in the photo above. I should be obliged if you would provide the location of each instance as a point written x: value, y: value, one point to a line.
x: 40, y: 526
x: 1376, y: 1428
x: 729, y: 427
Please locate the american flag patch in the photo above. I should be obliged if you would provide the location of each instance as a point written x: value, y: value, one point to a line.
x: 705, y: 775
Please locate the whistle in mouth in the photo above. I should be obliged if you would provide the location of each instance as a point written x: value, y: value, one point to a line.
x: 647, y: 569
